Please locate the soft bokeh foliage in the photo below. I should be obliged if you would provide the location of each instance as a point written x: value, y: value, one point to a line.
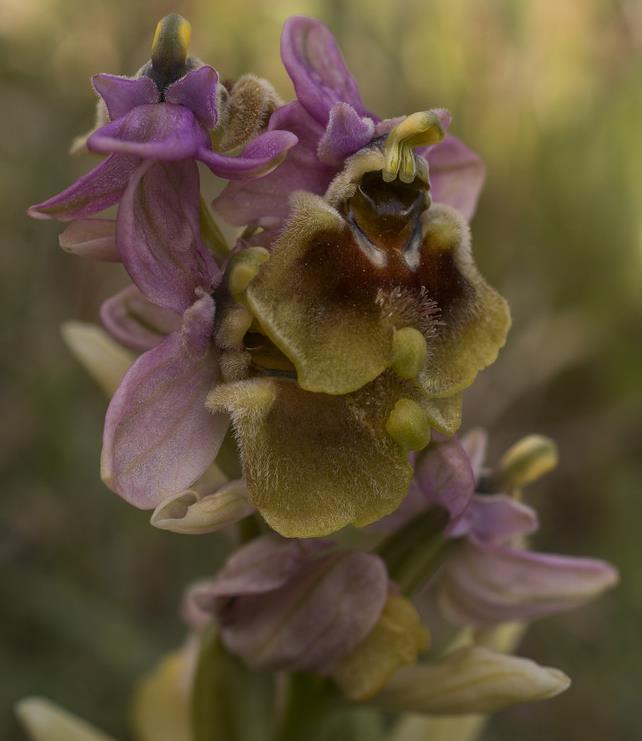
x: 549, y: 94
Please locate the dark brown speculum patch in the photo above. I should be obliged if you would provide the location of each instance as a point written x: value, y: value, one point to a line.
x: 387, y: 214
x: 381, y: 248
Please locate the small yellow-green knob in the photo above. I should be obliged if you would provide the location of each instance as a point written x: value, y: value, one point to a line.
x: 244, y: 269
x: 409, y: 425
x: 409, y: 351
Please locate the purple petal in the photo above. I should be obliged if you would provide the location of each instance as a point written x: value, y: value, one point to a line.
x: 121, y: 94
x: 135, y: 322
x: 268, y: 198
x: 159, y: 437
x: 346, y: 132
x: 94, y: 238
x: 264, y: 565
x: 196, y: 608
x: 158, y: 234
x: 444, y: 476
x: 259, y: 158
x: 496, y: 518
x: 314, y: 620
x: 99, y: 189
x: 456, y: 175
x: 475, y: 443
x: 158, y: 132
x: 197, y: 91
x: 316, y: 67
x: 483, y: 585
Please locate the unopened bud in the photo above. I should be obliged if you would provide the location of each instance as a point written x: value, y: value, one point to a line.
x: 105, y: 360
x: 395, y: 641
x: 245, y: 113
x: 190, y: 513
x: 526, y: 461
x: 470, y: 680
x: 161, y: 707
x: 45, y: 721
x: 94, y: 238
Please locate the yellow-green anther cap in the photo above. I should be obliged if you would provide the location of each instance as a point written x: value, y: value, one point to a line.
x: 171, y: 42
x: 421, y: 129
x: 244, y: 269
x: 409, y: 351
x: 526, y: 461
x: 409, y: 425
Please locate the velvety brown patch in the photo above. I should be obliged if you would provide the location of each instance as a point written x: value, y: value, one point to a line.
x: 443, y: 279
x: 381, y: 249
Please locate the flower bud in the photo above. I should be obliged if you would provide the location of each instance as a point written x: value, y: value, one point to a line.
x: 161, y: 708
x: 45, y: 721
x: 457, y: 728
x: 294, y: 605
x: 191, y: 513
x: 94, y: 238
x: 395, y: 641
x: 105, y: 360
x: 245, y: 112
x: 490, y: 584
x: 526, y: 461
x: 470, y: 680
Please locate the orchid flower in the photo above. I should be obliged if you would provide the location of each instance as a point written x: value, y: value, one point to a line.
x: 165, y: 114
x: 331, y: 123
x: 489, y: 576
x: 352, y: 335
x: 328, y: 386
x: 492, y: 578
x: 159, y: 436
x: 306, y: 606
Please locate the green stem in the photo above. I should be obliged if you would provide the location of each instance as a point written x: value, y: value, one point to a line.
x: 212, y: 233
x: 415, y: 552
x: 309, y: 698
x: 250, y: 528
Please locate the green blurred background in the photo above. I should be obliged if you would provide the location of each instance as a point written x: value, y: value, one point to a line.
x: 549, y: 92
